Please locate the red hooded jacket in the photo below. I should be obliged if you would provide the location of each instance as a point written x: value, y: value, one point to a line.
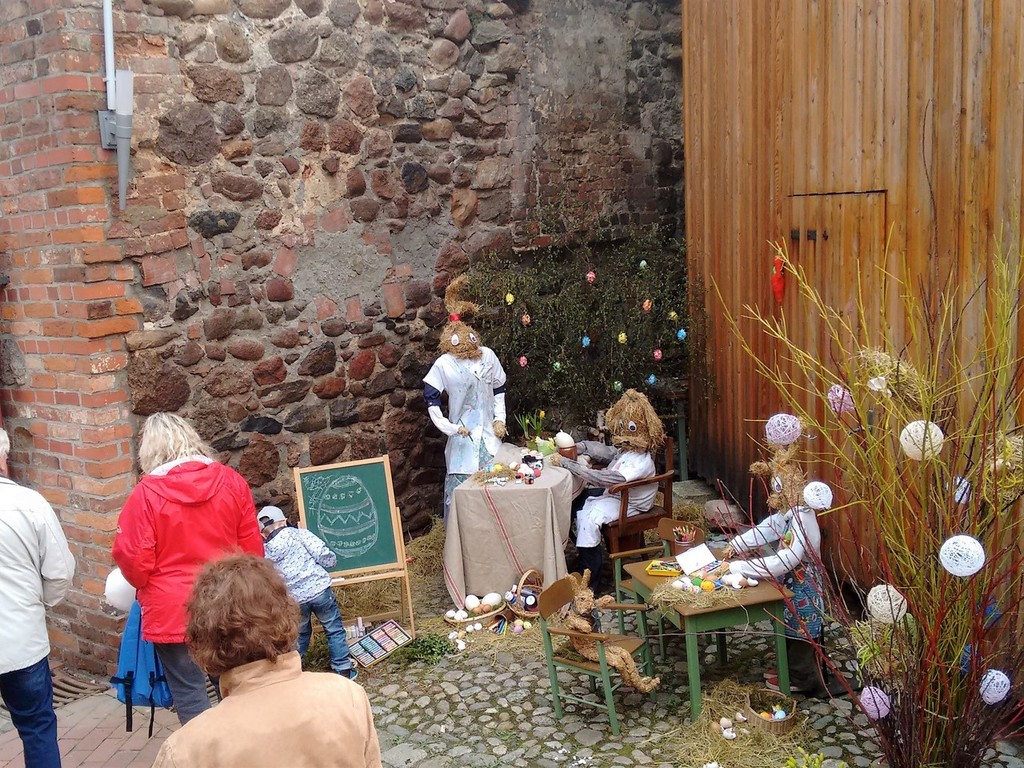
x: 172, y: 525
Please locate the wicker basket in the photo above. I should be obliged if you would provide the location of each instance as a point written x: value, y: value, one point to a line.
x: 471, y: 619
x: 535, y: 581
x: 778, y: 727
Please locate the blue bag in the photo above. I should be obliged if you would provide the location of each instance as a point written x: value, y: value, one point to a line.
x: 140, y: 680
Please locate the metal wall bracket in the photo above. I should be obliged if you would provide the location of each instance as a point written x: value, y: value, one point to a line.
x: 108, y: 139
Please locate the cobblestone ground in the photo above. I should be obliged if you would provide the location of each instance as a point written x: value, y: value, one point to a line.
x: 494, y: 708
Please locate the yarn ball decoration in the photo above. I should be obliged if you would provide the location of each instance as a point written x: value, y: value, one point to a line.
x: 817, y: 495
x: 839, y: 399
x: 782, y: 429
x: 875, y: 702
x: 995, y: 686
x: 921, y: 440
x: 962, y: 555
x: 886, y: 604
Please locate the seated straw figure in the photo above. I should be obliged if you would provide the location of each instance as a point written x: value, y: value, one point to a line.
x: 637, y: 433
x: 793, y: 526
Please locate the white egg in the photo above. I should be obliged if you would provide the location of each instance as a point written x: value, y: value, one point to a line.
x: 678, y: 584
x: 450, y: 614
x: 453, y: 635
x: 461, y: 645
x: 461, y: 615
x: 478, y: 626
x: 492, y: 598
x: 471, y: 602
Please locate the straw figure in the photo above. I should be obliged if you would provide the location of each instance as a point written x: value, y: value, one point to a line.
x: 581, y: 619
x: 793, y: 527
x: 475, y: 382
x: 637, y: 433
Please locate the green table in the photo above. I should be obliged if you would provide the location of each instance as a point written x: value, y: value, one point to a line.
x: 750, y: 602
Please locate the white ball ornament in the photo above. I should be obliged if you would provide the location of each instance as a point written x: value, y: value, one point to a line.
x: 782, y: 429
x: 817, y: 495
x: 921, y: 440
x: 886, y: 604
x: 995, y: 686
x: 839, y: 399
x: 118, y: 592
x: 962, y: 555
x: 875, y: 702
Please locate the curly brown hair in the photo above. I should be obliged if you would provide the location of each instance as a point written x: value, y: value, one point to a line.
x: 240, y: 611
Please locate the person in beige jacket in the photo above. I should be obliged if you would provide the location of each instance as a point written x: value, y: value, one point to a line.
x: 243, y: 626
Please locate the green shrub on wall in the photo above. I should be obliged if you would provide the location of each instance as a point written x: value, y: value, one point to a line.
x: 574, y: 326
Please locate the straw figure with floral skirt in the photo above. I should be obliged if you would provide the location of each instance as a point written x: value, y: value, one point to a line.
x: 796, y: 564
x: 474, y: 380
x: 636, y: 433
x: 581, y: 618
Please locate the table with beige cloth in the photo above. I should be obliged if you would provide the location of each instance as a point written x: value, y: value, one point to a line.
x: 496, y: 533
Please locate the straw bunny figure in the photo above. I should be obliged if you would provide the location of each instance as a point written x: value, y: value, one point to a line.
x: 581, y: 619
x: 475, y: 382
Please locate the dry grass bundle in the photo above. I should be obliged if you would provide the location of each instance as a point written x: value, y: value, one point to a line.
x: 667, y: 596
x: 883, y: 649
x: 525, y: 645
x: 905, y: 382
x: 485, y: 475
x: 1004, y: 474
x: 753, y: 747
x: 690, y: 513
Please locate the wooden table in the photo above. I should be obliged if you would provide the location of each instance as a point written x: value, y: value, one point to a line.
x: 766, y: 598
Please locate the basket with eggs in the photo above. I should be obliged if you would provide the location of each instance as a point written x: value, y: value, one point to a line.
x: 476, y: 609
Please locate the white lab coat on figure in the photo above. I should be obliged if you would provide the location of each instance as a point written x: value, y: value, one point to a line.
x: 805, y: 545
x: 472, y: 404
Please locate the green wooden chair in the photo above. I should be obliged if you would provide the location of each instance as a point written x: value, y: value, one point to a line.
x: 552, y: 600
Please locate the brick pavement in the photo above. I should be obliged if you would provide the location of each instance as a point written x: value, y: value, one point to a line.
x: 91, y: 733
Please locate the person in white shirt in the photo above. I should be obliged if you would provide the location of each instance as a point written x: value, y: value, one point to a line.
x: 475, y: 382
x: 36, y: 568
x: 637, y: 433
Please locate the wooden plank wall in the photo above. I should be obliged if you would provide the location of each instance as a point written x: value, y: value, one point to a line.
x: 899, y: 120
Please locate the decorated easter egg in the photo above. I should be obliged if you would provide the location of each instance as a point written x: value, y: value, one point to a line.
x: 779, y: 715
x: 527, y: 624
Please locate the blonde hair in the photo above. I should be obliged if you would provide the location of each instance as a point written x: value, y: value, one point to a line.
x: 166, y: 437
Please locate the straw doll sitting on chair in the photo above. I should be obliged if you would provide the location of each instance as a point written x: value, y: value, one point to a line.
x: 581, y: 618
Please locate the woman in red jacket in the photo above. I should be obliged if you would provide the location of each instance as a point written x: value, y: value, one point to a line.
x: 186, y: 511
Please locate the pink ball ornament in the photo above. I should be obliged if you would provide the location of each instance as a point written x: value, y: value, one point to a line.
x: 839, y: 399
x: 657, y: 354
x: 523, y: 361
x: 875, y: 702
x: 782, y: 429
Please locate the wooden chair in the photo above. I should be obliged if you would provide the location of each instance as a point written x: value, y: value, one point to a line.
x: 552, y: 600
x: 628, y: 531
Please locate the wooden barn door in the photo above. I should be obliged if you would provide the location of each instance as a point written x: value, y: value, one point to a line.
x: 839, y: 241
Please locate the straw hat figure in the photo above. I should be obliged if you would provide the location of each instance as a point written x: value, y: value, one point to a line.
x: 474, y: 380
x: 581, y: 619
x: 637, y: 433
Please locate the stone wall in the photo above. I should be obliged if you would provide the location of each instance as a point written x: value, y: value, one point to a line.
x: 307, y: 176
x: 339, y: 161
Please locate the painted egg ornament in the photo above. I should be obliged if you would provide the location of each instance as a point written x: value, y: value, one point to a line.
x: 647, y: 305
x: 522, y: 361
x: 509, y: 298
x: 643, y: 263
x: 779, y: 714
x: 591, y: 277
x: 617, y: 386
x: 875, y: 702
x: 556, y: 365
x: 657, y: 354
x: 585, y: 341
x: 681, y: 334
x: 525, y: 319
x: 652, y: 380
x: 623, y: 338
x: 673, y: 315
x: 527, y: 624
x: 517, y: 628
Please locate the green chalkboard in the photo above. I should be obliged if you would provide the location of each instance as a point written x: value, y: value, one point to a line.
x: 351, y: 506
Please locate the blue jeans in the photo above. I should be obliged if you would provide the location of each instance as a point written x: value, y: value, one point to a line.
x: 28, y: 694
x: 325, y: 606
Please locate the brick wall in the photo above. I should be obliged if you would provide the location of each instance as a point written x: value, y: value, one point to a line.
x: 69, y: 301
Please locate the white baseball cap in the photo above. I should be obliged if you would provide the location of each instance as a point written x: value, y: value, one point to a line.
x: 269, y: 515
